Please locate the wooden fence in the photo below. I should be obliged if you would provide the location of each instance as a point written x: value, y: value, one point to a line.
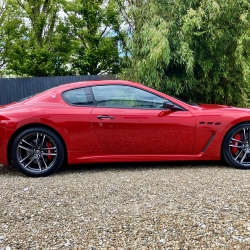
x: 14, y: 89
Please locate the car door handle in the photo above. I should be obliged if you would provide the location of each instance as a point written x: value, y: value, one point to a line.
x: 105, y: 117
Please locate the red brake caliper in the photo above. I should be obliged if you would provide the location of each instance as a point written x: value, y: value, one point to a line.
x: 234, y: 149
x: 49, y: 145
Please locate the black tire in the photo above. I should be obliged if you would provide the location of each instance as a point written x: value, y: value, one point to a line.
x: 37, y: 152
x: 236, y: 146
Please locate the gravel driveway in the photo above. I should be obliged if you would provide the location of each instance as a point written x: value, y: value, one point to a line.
x: 127, y: 206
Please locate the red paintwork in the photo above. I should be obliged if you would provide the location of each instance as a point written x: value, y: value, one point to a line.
x: 195, y: 133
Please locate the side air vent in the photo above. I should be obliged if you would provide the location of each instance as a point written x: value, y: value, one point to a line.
x: 210, y: 123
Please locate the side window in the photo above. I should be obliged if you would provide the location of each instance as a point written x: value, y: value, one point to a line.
x: 125, y: 96
x: 80, y: 96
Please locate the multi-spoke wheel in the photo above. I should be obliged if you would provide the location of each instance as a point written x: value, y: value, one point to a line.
x: 37, y: 152
x: 236, y: 146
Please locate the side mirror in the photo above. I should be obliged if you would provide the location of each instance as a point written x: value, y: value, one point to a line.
x: 168, y: 105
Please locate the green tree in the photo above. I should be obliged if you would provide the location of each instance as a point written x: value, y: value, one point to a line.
x: 194, y: 49
x: 218, y: 34
x: 2, y: 35
x: 132, y: 14
x: 40, y: 44
x: 94, y: 28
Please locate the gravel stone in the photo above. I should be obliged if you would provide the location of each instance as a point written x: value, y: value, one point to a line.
x: 127, y: 206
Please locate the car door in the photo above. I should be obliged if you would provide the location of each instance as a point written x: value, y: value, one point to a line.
x: 130, y: 120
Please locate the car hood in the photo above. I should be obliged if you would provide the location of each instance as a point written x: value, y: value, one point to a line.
x: 214, y: 106
x: 221, y: 108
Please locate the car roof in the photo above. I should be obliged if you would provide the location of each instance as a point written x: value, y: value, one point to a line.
x: 43, y: 96
x: 68, y: 86
x: 93, y: 83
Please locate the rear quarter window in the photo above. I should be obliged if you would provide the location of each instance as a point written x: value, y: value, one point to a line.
x: 79, y: 97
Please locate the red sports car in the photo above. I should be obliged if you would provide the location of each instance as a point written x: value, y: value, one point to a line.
x: 118, y: 121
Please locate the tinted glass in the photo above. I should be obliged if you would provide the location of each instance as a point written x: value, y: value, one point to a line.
x: 81, y: 96
x: 126, y: 96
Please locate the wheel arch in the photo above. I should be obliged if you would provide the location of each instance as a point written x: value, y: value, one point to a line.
x: 228, y: 131
x: 31, y: 125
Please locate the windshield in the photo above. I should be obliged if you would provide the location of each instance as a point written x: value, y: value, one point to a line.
x: 189, y: 103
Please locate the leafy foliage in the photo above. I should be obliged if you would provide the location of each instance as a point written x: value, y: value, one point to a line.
x: 2, y: 34
x: 46, y: 41
x: 197, y: 50
x: 38, y: 47
x: 94, y: 28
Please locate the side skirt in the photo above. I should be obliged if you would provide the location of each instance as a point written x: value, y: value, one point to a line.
x: 145, y: 158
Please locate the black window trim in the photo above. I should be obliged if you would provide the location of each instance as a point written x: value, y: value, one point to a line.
x: 95, y: 104
x: 181, y: 108
x: 80, y: 105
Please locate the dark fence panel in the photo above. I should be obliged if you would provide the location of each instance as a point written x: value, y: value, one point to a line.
x: 14, y: 89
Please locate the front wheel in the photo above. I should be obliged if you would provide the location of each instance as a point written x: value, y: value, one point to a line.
x: 37, y: 152
x: 236, y: 146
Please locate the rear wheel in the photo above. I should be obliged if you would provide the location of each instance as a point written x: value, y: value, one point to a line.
x: 37, y: 152
x: 236, y: 146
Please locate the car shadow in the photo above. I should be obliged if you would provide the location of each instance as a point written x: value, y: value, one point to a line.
x: 9, y: 171
x: 134, y: 166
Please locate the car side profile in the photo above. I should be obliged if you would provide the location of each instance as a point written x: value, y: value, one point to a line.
x: 118, y: 121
